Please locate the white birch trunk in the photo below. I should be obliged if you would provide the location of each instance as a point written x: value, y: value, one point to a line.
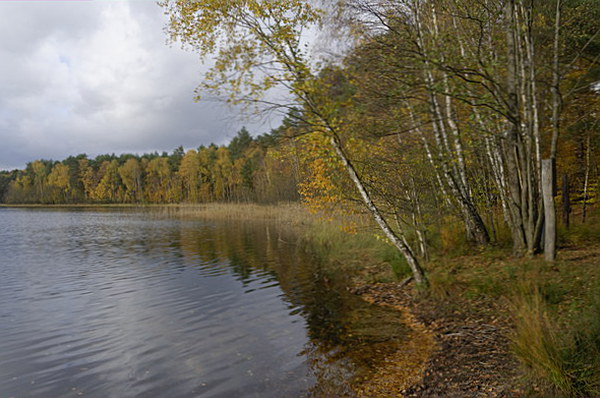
x: 398, y: 241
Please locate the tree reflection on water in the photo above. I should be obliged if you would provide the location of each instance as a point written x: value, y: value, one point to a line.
x: 348, y: 338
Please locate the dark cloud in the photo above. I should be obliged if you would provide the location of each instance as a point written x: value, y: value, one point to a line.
x: 97, y: 77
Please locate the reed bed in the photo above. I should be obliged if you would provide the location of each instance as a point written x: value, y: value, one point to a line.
x: 292, y: 214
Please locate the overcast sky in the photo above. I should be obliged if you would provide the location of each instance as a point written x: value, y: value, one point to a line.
x: 96, y: 77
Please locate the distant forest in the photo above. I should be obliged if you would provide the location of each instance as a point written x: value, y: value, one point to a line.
x: 260, y: 169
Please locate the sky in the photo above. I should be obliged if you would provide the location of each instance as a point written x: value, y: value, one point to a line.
x: 97, y: 76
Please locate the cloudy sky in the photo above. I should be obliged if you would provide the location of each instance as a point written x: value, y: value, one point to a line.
x: 96, y: 76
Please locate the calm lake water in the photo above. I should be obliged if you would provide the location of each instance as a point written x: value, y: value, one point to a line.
x: 136, y: 304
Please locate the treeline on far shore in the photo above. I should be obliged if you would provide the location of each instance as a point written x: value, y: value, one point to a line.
x: 249, y: 169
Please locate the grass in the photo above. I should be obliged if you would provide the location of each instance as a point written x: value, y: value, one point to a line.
x: 563, y: 359
x: 291, y: 214
x: 579, y: 234
x: 351, y: 243
x: 537, y: 344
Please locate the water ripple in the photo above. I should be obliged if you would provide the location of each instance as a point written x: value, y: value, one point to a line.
x: 126, y: 304
x: 106, y: 304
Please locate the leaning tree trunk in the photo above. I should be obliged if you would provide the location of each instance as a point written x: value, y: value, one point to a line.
x: 398, y: 241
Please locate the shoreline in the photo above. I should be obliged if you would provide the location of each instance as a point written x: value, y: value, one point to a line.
x: 466, y: 321
x: 397, y: 372
x: 405, y: 368
x: 471, y: 357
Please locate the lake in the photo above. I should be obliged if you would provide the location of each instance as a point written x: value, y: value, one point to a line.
x: 134, y: 303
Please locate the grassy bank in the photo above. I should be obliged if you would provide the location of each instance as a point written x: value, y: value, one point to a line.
x: 551, y: 310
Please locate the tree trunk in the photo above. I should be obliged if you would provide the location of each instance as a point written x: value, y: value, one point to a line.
x: 587, y: 177
x: 398, y: 241
x: 566, y: 200
x: 512, y: 147
x: 549, y: 210
x: 520, y: 144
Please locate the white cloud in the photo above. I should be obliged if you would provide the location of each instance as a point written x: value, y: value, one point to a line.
x: 96, y: 77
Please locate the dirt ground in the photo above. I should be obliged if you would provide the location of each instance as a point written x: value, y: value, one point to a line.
x: 471, y: 355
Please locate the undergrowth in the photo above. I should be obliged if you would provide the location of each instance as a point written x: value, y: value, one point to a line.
x: 562, y: 359
x: 579, y: 234
x: 370, y: 259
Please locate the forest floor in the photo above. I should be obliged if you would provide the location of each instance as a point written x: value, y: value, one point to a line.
x: 470, y: 309
x: 472, y: 356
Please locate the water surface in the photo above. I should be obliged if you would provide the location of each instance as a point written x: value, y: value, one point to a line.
x: 134, y: 304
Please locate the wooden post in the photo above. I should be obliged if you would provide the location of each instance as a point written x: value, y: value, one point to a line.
x: 566, y: 200
x: 549, y: 210
x: 587, y: 177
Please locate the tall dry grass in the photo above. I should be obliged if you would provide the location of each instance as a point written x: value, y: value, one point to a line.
x: 285, y: 213
x: 536, y: 342
x: 563, y: 359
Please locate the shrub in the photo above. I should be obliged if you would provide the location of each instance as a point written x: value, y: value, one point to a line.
x: 565, y: 362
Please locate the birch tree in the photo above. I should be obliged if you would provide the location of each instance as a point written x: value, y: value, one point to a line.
x: 59, y: 180
x: 257, y: 44
x: 492, y: 67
